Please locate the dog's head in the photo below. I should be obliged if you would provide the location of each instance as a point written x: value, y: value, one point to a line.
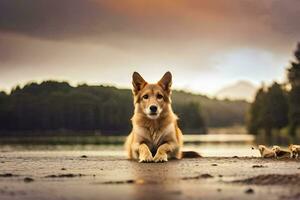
x: 293, y: 149
x: 276, y: 149
x: 152, y: 99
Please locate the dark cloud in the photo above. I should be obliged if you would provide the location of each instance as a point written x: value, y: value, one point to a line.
x: 88, y: 19
x: 51, y: 19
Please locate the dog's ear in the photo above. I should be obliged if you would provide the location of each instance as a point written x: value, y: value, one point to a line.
x: 166, y: 82
x: 138, y: 82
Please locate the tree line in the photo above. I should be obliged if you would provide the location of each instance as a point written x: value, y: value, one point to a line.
x: 278, y: 106
x: 53, y: 105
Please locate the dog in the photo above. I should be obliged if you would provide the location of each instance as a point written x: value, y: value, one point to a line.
x: 265, y: 152
x: 155, y: 135
x: 280, y: 153
x: 295, y: 151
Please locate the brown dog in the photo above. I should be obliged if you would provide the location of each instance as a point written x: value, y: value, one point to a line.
x: 295, y: 150
x: 155, y: 136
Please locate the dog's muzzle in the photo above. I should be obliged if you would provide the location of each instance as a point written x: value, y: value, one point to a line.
x: 153, y: 110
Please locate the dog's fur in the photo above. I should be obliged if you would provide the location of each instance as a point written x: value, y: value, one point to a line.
x: 295, y: 150
x: 155, y: 136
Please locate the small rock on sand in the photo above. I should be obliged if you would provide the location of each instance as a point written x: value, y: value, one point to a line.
x: 130, y: 181
x: 258, y: 166
x: 64, y: 175
x: 249, y: 191
x: 198, y: 177
x: 7, y: 175
x: 28, y: 179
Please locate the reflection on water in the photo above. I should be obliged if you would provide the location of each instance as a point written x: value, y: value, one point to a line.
x: 219, y: 138
x: 207, y: 145
x: 223, y: 150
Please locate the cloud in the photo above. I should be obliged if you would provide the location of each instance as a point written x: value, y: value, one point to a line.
x: 104, y: 21
x: 104, y: 41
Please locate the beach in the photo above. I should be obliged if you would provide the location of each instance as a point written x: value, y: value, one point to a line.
x: 93, y: 175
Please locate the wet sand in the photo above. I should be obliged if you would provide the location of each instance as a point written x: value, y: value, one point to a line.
x: 88, y: 175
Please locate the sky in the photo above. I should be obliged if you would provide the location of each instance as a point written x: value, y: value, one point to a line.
x: 206, y: 44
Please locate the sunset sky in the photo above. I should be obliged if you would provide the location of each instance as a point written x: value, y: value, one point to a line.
x: 206, y: 44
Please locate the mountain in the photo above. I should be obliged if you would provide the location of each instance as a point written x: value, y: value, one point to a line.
x: 240, y: 90
x: 216, y: 113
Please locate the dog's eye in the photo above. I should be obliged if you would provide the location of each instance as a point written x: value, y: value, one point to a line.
x: 159, y: 96
x: 145, y: 96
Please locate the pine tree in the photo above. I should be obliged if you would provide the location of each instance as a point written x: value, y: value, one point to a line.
x: 269, y: 110
x: 255, y: 118
x: 294, y: 94
x: 276, y: 107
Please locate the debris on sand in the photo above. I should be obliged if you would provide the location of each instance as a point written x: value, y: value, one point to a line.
x: 63, y: 169
x: 202, y: 176
x: 206, y: 176
x: 292, y: 197
x: 64, y: 176
x: 258, y: 166
x: 214, y: 164
x: 190, y: 154
x: 249, y: 191
x: 83, y: 156
x: 130, y: 181
x: 235, y: 157
x: 8, y: 175
x: 272, y: 179
x: 28, y: 179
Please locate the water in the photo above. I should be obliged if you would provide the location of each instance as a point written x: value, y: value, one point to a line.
x: 212, y: 145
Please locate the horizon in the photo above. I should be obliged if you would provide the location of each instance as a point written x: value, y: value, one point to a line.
x: 215, y: 96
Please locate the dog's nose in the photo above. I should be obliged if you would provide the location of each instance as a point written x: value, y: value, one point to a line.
x: 153, y: 109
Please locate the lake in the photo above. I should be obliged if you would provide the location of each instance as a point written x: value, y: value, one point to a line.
x: 211, y: 145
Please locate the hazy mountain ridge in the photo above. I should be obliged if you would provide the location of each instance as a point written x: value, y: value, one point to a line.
x: 217, y: 113
x: 239, y: 90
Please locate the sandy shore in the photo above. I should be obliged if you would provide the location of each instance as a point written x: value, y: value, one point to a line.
x: 84, y: 175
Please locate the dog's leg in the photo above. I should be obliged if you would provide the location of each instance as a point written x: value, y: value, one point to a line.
x: 144, y: 153
x: 163, y: 150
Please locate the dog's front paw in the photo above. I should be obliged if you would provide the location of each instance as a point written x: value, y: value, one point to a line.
x: 161, y: 157
x: 147, y: 157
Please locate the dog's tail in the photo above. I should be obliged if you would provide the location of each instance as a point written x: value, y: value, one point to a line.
x: 190, y: 154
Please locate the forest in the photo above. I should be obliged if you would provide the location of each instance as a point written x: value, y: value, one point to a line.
x: 49, y: 106
x: 276, y: 108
